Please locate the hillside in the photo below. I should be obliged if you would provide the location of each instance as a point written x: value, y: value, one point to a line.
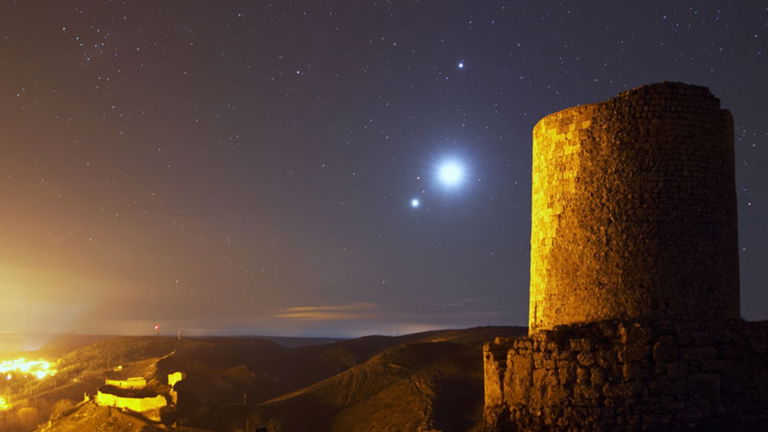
x: 89, y: 417
x: 426, y: 381
x: 430, y: 380
x: 405, y: 388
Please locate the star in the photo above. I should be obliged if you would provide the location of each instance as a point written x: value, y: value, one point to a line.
x: 460, y: 65
x: 415, y: 203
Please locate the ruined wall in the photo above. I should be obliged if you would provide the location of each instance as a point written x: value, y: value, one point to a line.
x: 141, y: 404
x: 627, y: 376
x: 634, y: 210
x: 134, y: 383
x: 175, y: 377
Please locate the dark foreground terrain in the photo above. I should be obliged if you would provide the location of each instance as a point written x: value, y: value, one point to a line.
x: 428, y: 381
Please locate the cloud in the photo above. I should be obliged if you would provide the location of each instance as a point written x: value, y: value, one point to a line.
x: 464, y: 303
x: 329, y: 313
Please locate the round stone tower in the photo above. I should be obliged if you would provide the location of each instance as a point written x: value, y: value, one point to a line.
x: 634, y: 210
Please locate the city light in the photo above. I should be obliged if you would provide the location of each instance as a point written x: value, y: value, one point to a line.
x: 36, y: 368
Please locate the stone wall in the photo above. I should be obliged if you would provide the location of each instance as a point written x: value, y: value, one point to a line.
x: 136, y: 404
x: 133, y: 383
x: 628, y: 376
x: 634, y: 210
x: 175, y: 377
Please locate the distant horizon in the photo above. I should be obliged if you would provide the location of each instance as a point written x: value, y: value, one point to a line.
x: 35, y: 341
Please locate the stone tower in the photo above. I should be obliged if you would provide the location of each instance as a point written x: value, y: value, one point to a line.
x: 634, y: 210
x: 634, y: 320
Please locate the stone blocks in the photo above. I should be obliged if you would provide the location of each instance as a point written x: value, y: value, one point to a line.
x: 588, y: 377
x: 634, y: 310
x: 634, y: 210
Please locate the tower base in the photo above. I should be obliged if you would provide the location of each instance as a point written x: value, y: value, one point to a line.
x: 634, y: 375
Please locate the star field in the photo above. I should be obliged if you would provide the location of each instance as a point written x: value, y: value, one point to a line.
x: 216, y: 164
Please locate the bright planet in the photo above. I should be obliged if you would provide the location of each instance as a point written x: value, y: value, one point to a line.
x: 451, y: 173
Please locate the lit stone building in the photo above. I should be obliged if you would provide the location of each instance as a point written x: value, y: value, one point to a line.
x: 634, y: 310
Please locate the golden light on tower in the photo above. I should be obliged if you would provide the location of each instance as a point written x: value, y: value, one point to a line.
x: 634, y: 203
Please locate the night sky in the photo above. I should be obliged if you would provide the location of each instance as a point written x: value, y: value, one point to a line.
x: 235, y: 167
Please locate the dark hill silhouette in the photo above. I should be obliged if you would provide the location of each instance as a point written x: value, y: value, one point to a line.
x: 395, y: 390
x: 423, y: 380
